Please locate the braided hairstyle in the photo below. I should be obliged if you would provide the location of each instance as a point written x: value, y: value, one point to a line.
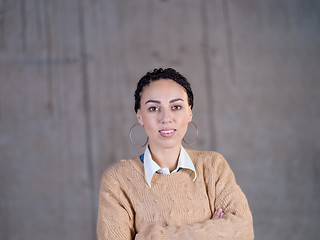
x: 158, y: 74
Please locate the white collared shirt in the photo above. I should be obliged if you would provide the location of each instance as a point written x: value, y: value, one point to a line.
x: 151, y: 167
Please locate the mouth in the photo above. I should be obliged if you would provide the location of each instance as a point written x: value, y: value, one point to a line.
x: 167, y: 133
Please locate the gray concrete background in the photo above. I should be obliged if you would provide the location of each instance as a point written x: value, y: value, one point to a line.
x: 68, y: 70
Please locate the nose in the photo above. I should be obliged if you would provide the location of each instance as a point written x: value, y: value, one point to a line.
x: 165, y: 116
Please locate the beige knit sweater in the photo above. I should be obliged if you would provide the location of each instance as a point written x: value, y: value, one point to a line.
x: 174, y: 207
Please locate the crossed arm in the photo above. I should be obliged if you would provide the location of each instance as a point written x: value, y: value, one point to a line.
x: 232, y: 218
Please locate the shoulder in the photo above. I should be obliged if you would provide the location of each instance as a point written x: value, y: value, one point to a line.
x: 122, y: 168
x: 209, y: 163
x: 210, y: 158
x: 213, y: 166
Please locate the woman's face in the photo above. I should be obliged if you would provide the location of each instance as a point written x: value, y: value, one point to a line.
x: 164, y: 113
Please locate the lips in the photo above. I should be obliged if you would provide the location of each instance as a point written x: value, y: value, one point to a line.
x: 167, y: 132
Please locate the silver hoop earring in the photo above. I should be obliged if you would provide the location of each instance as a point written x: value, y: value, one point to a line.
x: 196, y: 139
x: 130, y: 136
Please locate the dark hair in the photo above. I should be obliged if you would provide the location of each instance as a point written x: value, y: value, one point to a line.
x: 158, y: 74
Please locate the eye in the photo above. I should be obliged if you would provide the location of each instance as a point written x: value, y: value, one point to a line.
x: 176, y: 107
x: 153, y: 109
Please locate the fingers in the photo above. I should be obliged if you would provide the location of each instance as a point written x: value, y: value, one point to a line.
x: 218, y: 214
x: 221, y: 213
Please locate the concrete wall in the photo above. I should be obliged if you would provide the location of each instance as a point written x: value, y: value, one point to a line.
x: 68, y: 70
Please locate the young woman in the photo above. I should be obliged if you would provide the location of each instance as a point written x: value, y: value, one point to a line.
x: 170, y: 192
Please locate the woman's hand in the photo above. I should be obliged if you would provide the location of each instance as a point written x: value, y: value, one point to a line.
x: 218, y: 214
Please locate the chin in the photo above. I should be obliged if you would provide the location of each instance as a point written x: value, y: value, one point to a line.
x: 169, y: 143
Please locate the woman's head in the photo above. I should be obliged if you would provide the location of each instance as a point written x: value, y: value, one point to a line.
x: 158, y: 74
x: 163, y: 107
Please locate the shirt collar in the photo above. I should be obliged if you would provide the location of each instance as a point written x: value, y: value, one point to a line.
x: 151, y: 167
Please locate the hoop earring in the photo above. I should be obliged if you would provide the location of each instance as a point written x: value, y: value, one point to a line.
x: 196, y: 139
x: 130, y: 136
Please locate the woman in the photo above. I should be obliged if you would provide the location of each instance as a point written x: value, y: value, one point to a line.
x: 170, y: 192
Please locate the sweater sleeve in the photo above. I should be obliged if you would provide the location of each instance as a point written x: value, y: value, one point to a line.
x: 115, y: 215
x: 223, y: 192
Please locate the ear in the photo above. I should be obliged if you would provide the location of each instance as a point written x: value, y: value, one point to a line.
x: 190, y: 114
x: 139, y: 117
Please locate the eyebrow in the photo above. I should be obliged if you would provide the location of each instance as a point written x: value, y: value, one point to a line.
x: 175, y: 100
x: 171, y: 101
x: 152, y: 101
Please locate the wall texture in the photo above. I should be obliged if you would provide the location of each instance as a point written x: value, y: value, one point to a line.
x: 68, y: 70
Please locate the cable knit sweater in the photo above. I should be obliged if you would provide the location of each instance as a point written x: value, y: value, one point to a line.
x: 174, y: 207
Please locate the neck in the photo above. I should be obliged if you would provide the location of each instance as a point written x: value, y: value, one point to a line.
x: 165, y: 157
